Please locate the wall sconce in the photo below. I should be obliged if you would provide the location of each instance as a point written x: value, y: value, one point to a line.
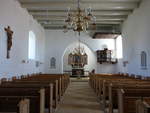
x: 25, y: 61
x: 125, y: 63
x: 41, y: 63
x: 38, y: 63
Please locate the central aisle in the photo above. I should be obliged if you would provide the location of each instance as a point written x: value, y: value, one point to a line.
x: 79, y: 98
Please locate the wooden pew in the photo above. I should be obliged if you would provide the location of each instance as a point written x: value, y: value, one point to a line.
x: 97, y: 83
x: 24, y: 106
x: 59, y: 83
x: 101, y: 84
x: 143, y: 105
x: 11, y: 97
x: 51, y: 90
x: 57, y: 86
x: 110, y: 89
x: 94, y: 79
x: 103, y: 81
x: 127, y: 99
x: 63, y: 80
x: 113, y: 100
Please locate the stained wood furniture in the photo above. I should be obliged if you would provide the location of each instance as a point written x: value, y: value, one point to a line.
x: 42, y: 91
x: 109, y: 87
x: 143, y: 105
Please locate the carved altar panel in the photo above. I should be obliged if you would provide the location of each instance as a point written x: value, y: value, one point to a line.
x: 77, y: 60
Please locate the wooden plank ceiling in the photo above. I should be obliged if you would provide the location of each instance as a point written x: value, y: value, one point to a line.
x: 110, y: 14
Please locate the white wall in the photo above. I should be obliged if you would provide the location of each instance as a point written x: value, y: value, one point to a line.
x: 57, y: 42
x: 136, y: 38
x: 21, y: 23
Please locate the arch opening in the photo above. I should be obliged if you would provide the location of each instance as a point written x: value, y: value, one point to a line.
x: 91, y: 59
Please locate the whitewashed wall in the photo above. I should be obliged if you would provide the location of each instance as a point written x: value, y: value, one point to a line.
x: 135, y: 33
x: 21, y: 23
x: 57, y: 43
x: 136, y: 38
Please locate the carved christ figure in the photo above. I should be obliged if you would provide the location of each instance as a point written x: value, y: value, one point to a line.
x: 9, y: 40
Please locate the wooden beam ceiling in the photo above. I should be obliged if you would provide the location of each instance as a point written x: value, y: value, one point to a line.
x: 52, y: 13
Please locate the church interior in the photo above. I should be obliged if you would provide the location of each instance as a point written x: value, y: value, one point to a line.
x: 74, y: 56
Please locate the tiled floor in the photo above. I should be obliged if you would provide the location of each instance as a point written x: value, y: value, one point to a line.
x: 79, y: 98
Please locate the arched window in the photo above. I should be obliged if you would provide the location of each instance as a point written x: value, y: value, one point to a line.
x: 53, y: 63
x: 32, y: 44
x: 143, y: 60
x: 119, y: 48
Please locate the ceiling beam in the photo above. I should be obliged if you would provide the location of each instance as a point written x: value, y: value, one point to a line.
x: 106, y: 29
x: 99, y: 23
x: 63, y: 23
x: 52, y: 13
x: 94, y: 5
x: 64, y: 13
x: 63, y: 17
x: 52, y: 18
x: 25, y: 1
x: 49, y: 25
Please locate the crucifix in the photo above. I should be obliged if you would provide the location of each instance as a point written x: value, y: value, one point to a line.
x: 9, y: 40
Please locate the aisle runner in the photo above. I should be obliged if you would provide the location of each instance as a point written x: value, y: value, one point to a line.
x: 79, y: 98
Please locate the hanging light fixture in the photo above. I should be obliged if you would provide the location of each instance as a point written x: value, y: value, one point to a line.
x: 79, y: 21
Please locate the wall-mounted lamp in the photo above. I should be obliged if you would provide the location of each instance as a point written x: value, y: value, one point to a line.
x: 25, y: 61
x: 125, y: 63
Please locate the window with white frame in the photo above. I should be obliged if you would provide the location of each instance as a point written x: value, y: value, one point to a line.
x: 143, y: 60
x: 119, y: 48
x: 52, y: 63
x: 32, y: 45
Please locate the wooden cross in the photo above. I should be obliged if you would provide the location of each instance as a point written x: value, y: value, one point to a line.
x: 9, y: 40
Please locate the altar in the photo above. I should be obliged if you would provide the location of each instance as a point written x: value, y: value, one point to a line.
x: 77, y: 72
x: 77, y: 59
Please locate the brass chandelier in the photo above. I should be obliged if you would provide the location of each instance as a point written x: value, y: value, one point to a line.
x: 79, y: 20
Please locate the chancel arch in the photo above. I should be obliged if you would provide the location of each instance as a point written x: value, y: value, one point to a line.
x: 88, y: 58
